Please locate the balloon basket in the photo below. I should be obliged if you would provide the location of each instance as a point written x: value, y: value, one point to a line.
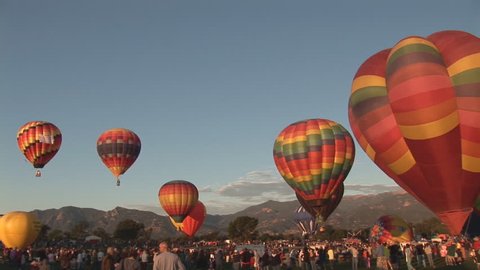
x: 38, y: 173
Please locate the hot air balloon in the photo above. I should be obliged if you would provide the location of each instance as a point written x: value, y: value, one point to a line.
x: 118, y: 148
x: 19, y: 229
x: 327, y: 208
x: 391, y: 229
x: 39, y: 141
x: 314, y: 157
x: 305, y: 221
x: 194, y: 219
x: 177, y: 198
x: 414, y: 109
x: 477, y: 205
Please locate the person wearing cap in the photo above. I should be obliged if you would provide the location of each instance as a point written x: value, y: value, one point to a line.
x: 236, y: 260
x: 167, y: 260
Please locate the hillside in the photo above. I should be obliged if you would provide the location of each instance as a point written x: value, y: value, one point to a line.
x: 354, y: 212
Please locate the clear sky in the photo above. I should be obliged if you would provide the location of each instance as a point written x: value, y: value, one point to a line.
x: 207, y: 85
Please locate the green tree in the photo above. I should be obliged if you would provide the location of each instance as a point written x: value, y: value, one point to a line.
x: 79, y: 230
x: 43, y: 234
x: 128, y: 230
x: 100, y: 232
x: 55, y: 235
x: 243, y: 228
x: 429, y: 227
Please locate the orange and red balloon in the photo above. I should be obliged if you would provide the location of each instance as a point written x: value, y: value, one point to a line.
x: 415, y: 111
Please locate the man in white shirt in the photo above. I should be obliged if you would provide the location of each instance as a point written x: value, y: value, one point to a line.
x: 167, y: 260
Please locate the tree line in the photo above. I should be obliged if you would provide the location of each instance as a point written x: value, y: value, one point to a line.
x: 242, y: 228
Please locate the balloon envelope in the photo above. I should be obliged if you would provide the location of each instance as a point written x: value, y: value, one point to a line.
x: 314, y: 157
x: 194, y: 220
x: 39, y: 141
x: 414, y: 110
x: 177, y: 198
x: 477, y: 205
x: 19, y: 229
x: 118, y: 148
x: 391, y: 229
x: 323, y: 211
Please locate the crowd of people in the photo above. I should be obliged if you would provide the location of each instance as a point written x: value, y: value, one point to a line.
x: 273, y: 255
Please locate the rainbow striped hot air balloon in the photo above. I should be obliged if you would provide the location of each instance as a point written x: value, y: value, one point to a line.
x: 389, y: 229
x: 325, y: 209
x: 178, y: 198
x: 314, y: 157
x: 118, y: 148
x: 415, y: 111
x: 39, y: 141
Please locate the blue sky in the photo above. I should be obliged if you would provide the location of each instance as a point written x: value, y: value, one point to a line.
x: 207, y: 85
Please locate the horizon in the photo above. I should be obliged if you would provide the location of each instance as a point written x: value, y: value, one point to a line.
x: 395, y: 190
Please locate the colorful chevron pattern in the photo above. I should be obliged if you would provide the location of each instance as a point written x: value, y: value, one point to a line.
x: 39, y: 141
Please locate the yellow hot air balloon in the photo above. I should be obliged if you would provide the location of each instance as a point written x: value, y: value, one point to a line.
x: 19, y: 229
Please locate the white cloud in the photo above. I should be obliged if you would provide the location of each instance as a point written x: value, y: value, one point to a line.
x: 258, y: 186
x: 369, y: 189
x: 222, y: 206
x: 205, y: 189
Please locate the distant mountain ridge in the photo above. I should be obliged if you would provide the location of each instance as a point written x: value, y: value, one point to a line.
x: 354, y: 212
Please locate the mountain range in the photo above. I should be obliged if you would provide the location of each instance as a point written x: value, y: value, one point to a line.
x: 354, y: 212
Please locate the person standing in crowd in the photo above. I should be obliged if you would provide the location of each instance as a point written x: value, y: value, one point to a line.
x: 366, y: 257
x: 313, y: 257
x: 218, y: 259
x: 420, y: 255
x: 305, y: 259
x: 108, y: 260
x: 65, y: 259
x: 245, y: 259
x: 144, y: 259
x: 408, y: 257
x: 331, y: 256
x: 394, y: 251
x: 276, y: 259
x: 354, y: 252
x: 256, y: 260
x: 380, y: 255
x: 321, y: 258
x: 451, y: 252
x: 167, y: 260
x: 265, y: 260
x: 130, y: 262
x: 236, y: 260
x: 428, y: 253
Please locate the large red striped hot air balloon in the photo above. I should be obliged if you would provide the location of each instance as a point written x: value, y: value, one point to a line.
x: 194, y: 220
x: 178, y: 198
x: 314, y: 157
x: 325, y: 209
x: 415, y: 110
x: 477, y: 205
x: 118, y: 148
x: 39, y: 141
